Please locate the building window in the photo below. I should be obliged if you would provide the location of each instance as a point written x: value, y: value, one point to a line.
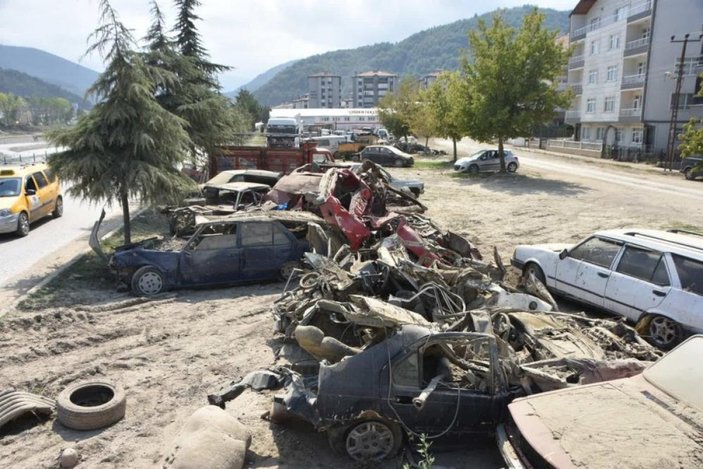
x: 641, y: 68
x: 591, y: 105
x: 585, y: 133
x: 645, y: 33
x: 612, y: 73
x: 592, y: 77
x: 595, y: 24
x: 600, y: 133
x: 636, y: 101
x: 594, y: 47
x: 618, y: 135
x: 614, y: 42
x: 619, y: 13
x: 637, y: 136
x: 609, y: 105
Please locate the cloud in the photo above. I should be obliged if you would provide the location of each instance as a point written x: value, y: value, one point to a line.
x: 251, y: 36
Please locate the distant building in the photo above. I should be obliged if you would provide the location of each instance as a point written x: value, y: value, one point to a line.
x: 302, y: 102
x: 370, y: 87
x: 622, y: 67
x: 334, y: 119
x: 325, y: 90
x: 430, y: 78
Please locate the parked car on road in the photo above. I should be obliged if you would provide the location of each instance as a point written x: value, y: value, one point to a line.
x: 240, y: 248
x: 652, y: 277
x: 386, y: 155
x: 27, y: 194
x: 692, y: 167
x: 485, y: 161
x: 652, y: 420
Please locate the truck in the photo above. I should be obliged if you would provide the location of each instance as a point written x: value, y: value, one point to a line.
x: 283, y: 132
x: 283, y: 160
x: 359, y: 142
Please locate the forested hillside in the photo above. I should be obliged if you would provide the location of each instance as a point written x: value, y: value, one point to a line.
x: 21, y: 84
x: 437, y: 48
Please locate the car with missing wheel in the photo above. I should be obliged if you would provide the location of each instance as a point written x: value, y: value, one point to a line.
x: 651, y: 277
x: 241, y: 248
x: 486, y: 160
x: 27, y: 194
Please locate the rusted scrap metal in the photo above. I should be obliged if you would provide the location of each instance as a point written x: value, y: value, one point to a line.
x: 14, y: 404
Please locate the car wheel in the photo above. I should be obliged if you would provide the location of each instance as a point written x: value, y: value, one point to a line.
x: 416, y: 193
x: 90, y: 405
x: 148, y: 281
x: 473, y: 169
x: 532, y: 268
x: 22, y: 224
x: 58, y: 208
x: 398, y: 163
x: 512, y: 167
x: 688, y: 174
x: 373, y: 440
x: 287, y: 270
x: 664, y: 332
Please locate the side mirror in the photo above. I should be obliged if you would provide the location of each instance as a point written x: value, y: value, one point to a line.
x: 563, y: 254
x: 30, y: 192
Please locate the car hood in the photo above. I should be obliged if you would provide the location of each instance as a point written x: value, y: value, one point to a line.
x: 622, y: 423
x: 7, y: 202
x: 556, y: 247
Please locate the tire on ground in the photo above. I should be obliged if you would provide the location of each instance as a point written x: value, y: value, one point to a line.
x: 91, y: 405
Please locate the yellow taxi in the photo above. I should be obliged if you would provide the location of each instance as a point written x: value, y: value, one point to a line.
x: 27, y: 193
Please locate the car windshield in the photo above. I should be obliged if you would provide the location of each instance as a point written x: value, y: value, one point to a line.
x: 9, y: 187
x: 679, y: 373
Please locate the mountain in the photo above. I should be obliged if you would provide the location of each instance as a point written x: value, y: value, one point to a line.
x: 48, y: 67
x: 260, y: 79
x: 433, y: 49
x: 21, y: 84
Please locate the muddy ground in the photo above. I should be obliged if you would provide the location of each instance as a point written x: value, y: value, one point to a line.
x: 168, y: 353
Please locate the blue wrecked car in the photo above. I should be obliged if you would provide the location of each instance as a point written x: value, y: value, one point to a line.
x: 239, y: 248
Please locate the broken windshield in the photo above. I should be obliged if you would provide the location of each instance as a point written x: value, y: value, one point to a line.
x: 9, y: 187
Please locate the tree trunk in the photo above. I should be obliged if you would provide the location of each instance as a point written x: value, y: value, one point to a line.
x: 454, y: 143
x: 427, y: 141
x: 124, y: 201
x: 501, y: 155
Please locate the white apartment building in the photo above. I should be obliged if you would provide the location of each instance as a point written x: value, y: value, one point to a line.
x: 325, y: 90
x: 622, y: 66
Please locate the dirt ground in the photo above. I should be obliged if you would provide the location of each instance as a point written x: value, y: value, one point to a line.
x: 170, y: 352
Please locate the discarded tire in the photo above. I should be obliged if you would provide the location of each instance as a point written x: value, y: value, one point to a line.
x: 91, y: 405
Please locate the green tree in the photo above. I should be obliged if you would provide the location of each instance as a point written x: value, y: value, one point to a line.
x: 512, y: 81
x: 692, y: 136
x: 249, y: 106
x: 398, y: 109
x: 447, y: 99
x: 127, y: 145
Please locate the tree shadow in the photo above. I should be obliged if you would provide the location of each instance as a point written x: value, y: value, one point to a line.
x: 520, y: 184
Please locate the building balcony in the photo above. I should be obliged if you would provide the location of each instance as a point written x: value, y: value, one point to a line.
x: 630, y: 82
x: 578, y: 34
x: 572, y: 117
x: 639, y: 10
x: 637, y: 47
x: 576, y: 61
x: 633, y: 114
x: 577, y: 89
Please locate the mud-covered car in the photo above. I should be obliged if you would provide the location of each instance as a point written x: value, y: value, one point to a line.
x: 241, y: 248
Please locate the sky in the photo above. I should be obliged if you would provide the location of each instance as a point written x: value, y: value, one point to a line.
x: 250, y: 36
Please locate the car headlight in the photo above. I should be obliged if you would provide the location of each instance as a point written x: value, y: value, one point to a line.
x: 5, y: 213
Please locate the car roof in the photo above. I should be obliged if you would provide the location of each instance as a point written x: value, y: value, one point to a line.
x: 253, y: 172
x: 260, y: 215
x: 18, y: 170
x: 680, y: 242
x: 240, y: 186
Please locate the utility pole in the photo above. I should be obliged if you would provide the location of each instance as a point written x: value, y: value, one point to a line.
x: 671, y: 142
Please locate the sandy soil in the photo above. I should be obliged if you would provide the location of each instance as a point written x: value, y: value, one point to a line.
x: 170, y: 352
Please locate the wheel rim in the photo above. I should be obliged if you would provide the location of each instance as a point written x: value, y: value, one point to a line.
x: 663, y: 330
x: 536, y: 271
x: 150, y: 283
x: 398, y: 163
x: 370, y: 441
x: 287, y: 270
x: 512, y: 167
x: 23, y: 224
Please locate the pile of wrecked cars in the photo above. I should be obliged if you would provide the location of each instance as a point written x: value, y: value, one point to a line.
x: 395, y: 327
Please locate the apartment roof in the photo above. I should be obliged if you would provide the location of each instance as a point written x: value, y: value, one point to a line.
x: 376, y: 73
x: 582, y: 7
x: 323, y: 74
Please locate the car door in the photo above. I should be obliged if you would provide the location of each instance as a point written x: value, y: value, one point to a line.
x: 211, y: 256
x: 493, y: 161
x: 258, y: 251
x: 45, y: 194
x: 33, y: 200
x: 456, y: 404
x: 584, y: 272
x: 639, y: 282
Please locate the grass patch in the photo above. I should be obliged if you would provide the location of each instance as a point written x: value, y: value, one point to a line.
x: 435, y: 165
x: 88, y: 280
x: 685, y: 227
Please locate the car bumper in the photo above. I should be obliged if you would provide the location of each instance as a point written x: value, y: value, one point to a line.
x: 8, y: 224
x: 516, y: 263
